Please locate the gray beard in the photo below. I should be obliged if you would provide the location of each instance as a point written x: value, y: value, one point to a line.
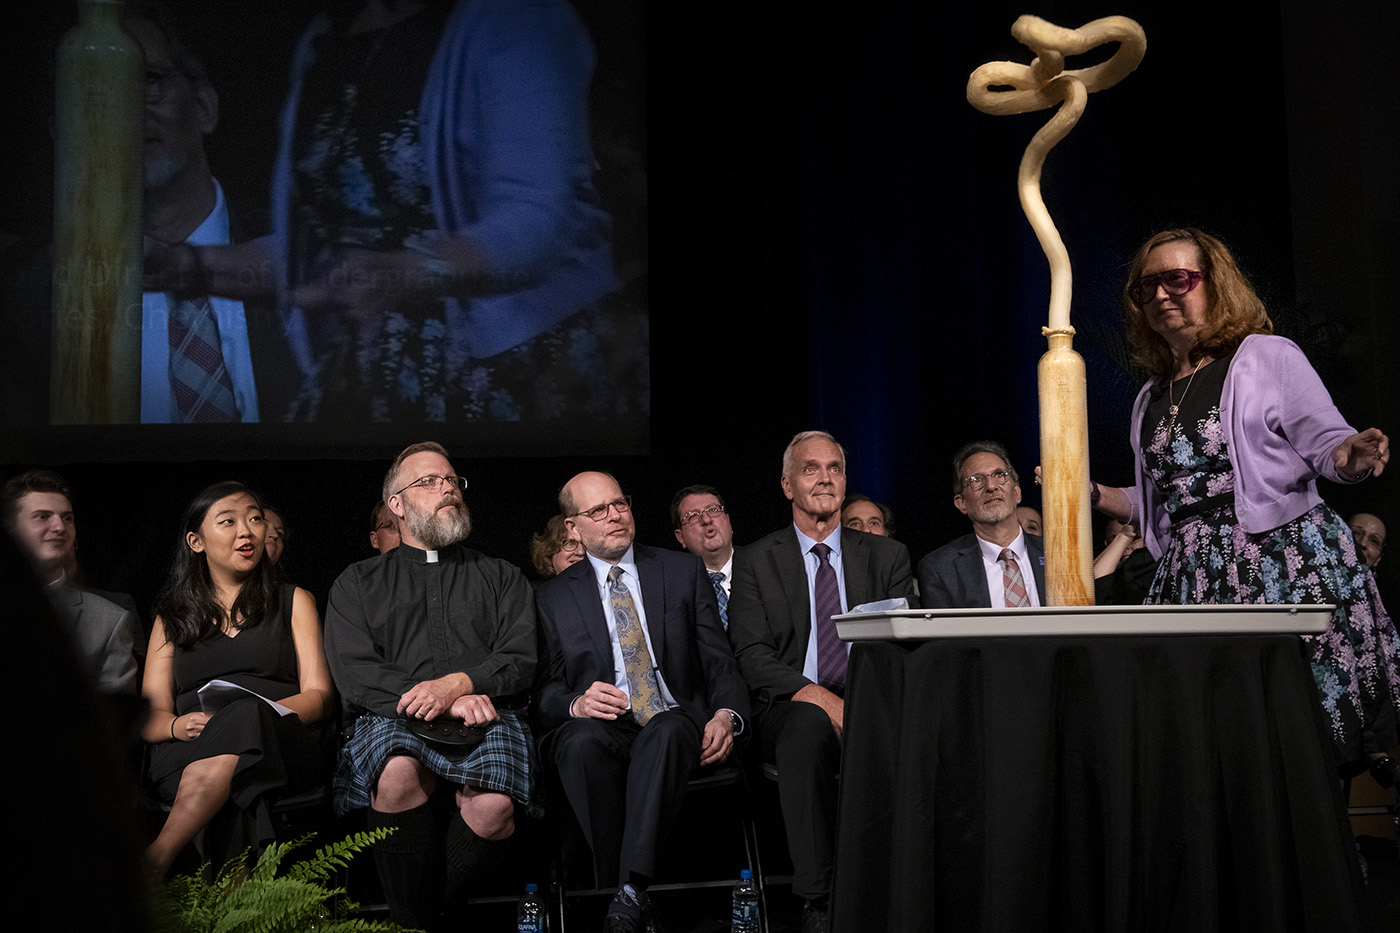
x: 437, y: 531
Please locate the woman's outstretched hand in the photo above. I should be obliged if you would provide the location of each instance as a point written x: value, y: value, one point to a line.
x: 1362, y: 454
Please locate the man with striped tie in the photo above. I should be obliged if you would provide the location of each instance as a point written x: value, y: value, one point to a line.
x: 199, y: 352
x: 997, y: 566
x: 636, y: 688
x: 787, y: 587
x: 701, y: 524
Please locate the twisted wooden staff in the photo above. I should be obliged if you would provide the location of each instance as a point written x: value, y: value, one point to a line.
x: 1064, y: 423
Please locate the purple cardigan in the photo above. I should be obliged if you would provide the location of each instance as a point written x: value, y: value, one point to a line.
x: 1280, y: 427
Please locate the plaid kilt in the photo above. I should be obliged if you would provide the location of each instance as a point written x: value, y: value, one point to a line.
x: 504, y: 762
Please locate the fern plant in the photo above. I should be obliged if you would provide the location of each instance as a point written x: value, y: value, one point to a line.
x: 261, y: 900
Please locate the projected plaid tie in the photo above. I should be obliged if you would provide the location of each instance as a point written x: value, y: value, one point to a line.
x: 201, y: 385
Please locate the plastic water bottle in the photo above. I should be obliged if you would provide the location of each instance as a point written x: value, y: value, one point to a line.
x: 530, y: 916
x: 744, y: 916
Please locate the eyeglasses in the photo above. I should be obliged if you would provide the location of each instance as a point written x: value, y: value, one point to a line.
x: 713, y: 511
x: 383, y: 525
x: 434, y: 483
x: 1177, y: 282
x: 600, y: 512
x: 979, y: 481
x: 571, y: 545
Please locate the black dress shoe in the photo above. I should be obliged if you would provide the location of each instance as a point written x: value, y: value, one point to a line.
x: 630, y: 912
x: 1386, y: 771
x: 815, y: 918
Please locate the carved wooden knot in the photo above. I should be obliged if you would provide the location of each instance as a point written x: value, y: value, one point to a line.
x: 1033, y: 86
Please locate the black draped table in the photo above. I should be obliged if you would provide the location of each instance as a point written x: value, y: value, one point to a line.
x: 1089, y: 783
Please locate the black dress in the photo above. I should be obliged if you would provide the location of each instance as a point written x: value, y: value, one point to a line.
x: 276, y: 754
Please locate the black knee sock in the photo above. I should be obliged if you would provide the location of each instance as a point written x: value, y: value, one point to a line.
x: 467, y: 855
x: 409, y: 863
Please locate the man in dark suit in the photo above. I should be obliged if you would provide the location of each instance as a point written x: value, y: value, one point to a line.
x: 786, y: 587
x: 988, y: 567
x: 637, y: 687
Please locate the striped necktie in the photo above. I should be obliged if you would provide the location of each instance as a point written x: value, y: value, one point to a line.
x: 717, y: 579
x: 831, y: 652
x: 1012, y: 581
x: 201, y: 385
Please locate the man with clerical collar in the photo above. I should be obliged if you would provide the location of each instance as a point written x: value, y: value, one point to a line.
x: 787, y: 587
x: 701, y: 525
x: 39, y: 514
x: 637, y: 688
x: 998, y: 565
x: 433, y: 631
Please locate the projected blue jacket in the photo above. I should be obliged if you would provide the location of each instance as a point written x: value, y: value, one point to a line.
x: 504, y: 126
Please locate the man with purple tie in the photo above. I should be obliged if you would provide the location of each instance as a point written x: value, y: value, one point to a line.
x: 786, y: 588
x: 998, y: 566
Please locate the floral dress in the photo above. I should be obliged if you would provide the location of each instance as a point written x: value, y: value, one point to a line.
x: 1311, y: 559
x: 361, y: 182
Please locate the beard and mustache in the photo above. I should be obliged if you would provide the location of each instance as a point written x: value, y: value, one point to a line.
x: 434, y: 528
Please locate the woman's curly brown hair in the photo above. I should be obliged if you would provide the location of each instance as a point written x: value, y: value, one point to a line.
x: 1233, y: 310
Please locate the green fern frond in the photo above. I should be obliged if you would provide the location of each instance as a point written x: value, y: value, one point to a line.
x: 330, y: 858
x: 240, y: 900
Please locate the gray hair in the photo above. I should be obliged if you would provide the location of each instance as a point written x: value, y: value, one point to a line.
x: 391, y: 479
x: 804, y: 436
x: 980, y: 447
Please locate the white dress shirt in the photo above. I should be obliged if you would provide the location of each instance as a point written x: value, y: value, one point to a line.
x: 991, y: 563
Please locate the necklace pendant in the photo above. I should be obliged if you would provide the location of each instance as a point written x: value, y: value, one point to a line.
x: 1172, y: 410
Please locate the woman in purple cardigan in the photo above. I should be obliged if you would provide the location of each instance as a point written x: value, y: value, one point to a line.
x: 1229, y: 437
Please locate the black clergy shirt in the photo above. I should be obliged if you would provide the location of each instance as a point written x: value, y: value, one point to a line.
x: 399, y: 619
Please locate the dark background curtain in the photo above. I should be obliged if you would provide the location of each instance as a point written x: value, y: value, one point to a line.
x: 834, y: 241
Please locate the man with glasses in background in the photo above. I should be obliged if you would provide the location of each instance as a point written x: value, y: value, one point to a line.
x: 637, y: 688
x: 432, y: 633
x: 383, y: 528
x: 203, y: 359
x: 997, y: 566
x: 701, y: 525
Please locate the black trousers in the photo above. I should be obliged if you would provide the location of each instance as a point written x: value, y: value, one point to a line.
x: 798, y: 738
x: 625, y: 783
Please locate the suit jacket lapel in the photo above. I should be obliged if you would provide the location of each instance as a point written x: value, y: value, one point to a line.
x: 790, y: 568
x: 590, y: 609
x: 653, y: 579
x: 974, y: 576
x: 1035, y: 548
x: 855, y: 566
